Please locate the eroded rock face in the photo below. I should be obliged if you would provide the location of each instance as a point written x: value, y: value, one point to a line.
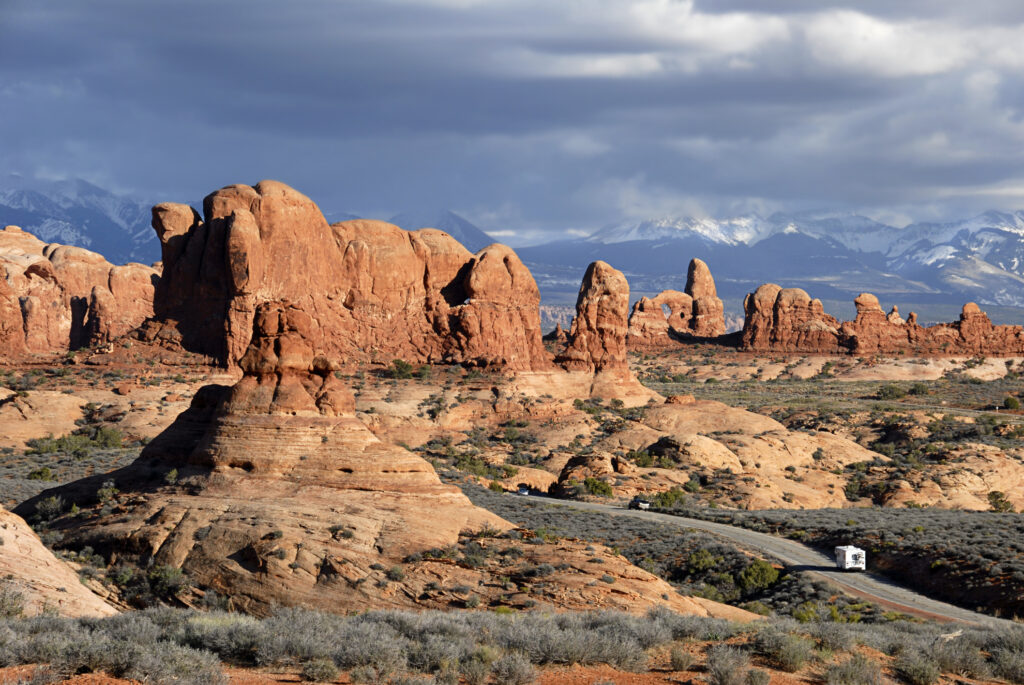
x: 373, y: 292
x: 597, y: 339
x: 44, y: 582
x: 708, y: 318
x: 279, y: 494
x: 55, y: 298
x: 697, y: 312
x: 790, y: 321
x: 787, y: 319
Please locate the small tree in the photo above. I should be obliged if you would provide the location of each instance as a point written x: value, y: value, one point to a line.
x: 1011, y: 403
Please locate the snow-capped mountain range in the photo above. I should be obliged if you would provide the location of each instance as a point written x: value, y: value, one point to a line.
x: 830, y: 255
x: 76, y: 212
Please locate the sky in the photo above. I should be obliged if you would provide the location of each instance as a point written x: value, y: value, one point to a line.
x: 535, y: 119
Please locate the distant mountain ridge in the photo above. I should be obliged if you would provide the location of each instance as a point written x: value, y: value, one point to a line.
x: 76, y: 212
x: 444, y: 220
x: 829, y: 255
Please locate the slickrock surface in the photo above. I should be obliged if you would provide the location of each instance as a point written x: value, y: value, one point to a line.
x: 697, y: 312
x: 45, y: 582
x: 55, y: 298
x: 373, y: 292
x: 788, y: 320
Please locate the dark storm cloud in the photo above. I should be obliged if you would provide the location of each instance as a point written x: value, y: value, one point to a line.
x: 526, y: 115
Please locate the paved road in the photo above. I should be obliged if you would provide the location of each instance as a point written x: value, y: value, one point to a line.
x: 801, y: 557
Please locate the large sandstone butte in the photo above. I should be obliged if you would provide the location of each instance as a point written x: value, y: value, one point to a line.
x: 788, y: 320
x: 277, y: 494
x: 55, y: 298
x: 696, y: 312
x: 44, y: 582
x: 373, y: 291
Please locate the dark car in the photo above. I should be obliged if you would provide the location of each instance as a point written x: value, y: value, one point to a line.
x: 639, y: 503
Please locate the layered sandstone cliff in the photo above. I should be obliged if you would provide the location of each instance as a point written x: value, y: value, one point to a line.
x: 55, y: 298
x: 696, y: 312
x: 788, y: 320
x: 373, y: 291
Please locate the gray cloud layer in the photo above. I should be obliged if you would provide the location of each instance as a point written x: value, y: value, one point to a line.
x: 528, y: 115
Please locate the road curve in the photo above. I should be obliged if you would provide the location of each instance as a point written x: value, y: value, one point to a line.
x: 796, y: 555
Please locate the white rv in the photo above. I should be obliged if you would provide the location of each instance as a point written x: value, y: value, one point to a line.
x: 850, y: 558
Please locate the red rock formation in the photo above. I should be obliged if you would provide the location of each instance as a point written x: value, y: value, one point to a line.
x: 597, y: 339
x: 266, y: 475
x: 708, y: 318
x: 373, y: 291
x: 789, y: 321
x: 648, y: 326
x: 558, y: 335
x: 55, y: 297
x: 46, y: 583
x: 696, y: 312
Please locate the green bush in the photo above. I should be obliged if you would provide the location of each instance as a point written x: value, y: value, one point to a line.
x: 400, y: 369
x: 598, y: 487
x: 890, y: 391
x: 758, y: 576
x: 1011, y: 403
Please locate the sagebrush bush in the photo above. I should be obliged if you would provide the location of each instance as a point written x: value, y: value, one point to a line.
x: 917, y: 668
x: 320, y: 670
x: 857, y: 670
x: 513, y: 669
x: 680, y: 659
x: 727, y: 665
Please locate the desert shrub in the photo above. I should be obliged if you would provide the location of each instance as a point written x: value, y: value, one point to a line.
x: 727, y: 665
x: 1009, y: 664
x: 758, y: 576
x: 596, y: 486
x: 756, y: 676
x: 890, y: 391
x: 474, y: 671
x: 680, y: 659
x: 1011, y: 403
x: 50, y: 508
x: 960, y: 657
x: 788, y: 652
x: 233, y: 637
x: 400, y: 369
x: 857, y: 670
x: 917, y: 668
x: 514, y: 669
x: 12, y: 601
x: 833, y: 636
x: 319, y: 670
